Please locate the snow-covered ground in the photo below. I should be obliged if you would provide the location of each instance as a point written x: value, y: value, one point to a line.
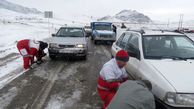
x: 16, y: 26
x: 9, y: 35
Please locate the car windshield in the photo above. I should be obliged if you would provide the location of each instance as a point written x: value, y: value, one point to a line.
x: 102, y: 27
x: 87, y: 27
x: 173, y: 47
x: 70, y: 32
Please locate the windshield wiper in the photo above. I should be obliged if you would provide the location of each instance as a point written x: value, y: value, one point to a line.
x: 173, y: 57
x: 61, y: 36
x: 189, y: 58
x: 74, y: 36
x: 166, y: 57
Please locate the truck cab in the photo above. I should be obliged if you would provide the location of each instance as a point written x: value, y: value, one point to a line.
x: 102, y: 31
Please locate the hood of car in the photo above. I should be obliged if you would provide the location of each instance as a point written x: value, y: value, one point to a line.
x: 68, y: 40
x: 180, y: 74
x: 108, y: 32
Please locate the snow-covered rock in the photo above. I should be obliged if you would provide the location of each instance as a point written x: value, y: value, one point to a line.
x: 127, y: 16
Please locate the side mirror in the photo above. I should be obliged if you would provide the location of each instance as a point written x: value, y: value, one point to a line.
x: 53, y: 35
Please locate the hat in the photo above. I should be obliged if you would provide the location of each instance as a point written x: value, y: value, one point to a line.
x: 43, y: 45
x: 122, y: 55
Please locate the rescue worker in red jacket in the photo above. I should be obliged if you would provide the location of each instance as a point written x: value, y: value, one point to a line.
x: 30, y: 48
x: 111, y: 75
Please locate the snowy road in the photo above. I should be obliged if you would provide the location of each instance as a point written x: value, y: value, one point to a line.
x: 58, y: 84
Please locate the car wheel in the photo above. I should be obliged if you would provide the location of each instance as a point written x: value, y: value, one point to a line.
x: 92, y: 38
x: 112, y: 42
x: 95, y: 42
x: 52, y: 57
x: 84, y: 57
x: 109, y: 42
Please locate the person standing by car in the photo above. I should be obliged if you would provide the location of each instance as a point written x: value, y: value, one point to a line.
x: 30, y: 48
x: 114, y: 29
x: 111, y: 76
x: 133, y: 95
x: 123, y: 25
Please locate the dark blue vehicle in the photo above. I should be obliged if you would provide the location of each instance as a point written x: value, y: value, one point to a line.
x: 102, y: 31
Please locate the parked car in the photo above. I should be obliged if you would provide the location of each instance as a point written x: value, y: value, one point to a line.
x: 166, y: 59
x: 102, y: 31
x: 68, y: 41
x: 88, y: 30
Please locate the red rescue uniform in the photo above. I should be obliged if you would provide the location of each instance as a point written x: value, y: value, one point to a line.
x: 28, y: 49
x: 110, y: 78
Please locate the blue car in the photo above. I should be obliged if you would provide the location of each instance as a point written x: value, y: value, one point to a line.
x: 102, y: 31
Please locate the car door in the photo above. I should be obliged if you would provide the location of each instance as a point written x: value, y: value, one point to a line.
x: 132, y: 48
x: 120, y: 43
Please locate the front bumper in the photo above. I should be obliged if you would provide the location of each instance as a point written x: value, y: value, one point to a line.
x: 104, y: 39
x: 68, y: 51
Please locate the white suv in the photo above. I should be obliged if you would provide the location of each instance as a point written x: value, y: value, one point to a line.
x: 166, y: 59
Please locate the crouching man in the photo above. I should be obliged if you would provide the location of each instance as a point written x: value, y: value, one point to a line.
x: 30, y: 48
x: 111, y: 76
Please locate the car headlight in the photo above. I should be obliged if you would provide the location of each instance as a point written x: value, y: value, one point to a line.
x: 80, y: 45
x: 176, y: 99
x: 53, y: 45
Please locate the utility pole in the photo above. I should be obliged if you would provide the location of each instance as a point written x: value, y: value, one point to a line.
x: 180, y: 26
x: 168, y: 23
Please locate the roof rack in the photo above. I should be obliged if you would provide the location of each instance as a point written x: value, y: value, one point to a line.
x: 141, y: 31
x: 176, y: 31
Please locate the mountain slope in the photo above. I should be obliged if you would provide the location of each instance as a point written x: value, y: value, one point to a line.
x: 18, y: 8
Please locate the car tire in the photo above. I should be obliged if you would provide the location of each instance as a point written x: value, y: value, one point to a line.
x: 92, y: 37
x: 53, y: 57
x: 109, y: 42
x: 95, y: 42
x: 84, y: 57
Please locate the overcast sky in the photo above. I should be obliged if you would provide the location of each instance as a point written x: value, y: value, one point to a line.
x: 155, y: 9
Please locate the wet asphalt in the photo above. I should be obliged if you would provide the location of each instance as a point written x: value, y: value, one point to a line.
x: 64, y: 83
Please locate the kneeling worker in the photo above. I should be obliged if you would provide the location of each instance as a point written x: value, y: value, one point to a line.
x: 111, y: 75
x: 30, y: 48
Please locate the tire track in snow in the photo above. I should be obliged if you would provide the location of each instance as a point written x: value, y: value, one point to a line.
x: 11, y: 76
x: 106, y: 52
x: 43, y: 94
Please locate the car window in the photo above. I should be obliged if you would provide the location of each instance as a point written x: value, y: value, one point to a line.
x: 120, y: 39
x: 182, y: 42
x: 124, y: 41
x: 133, y: 44
x: 158, y: 47
x: 70, y: 32
x: 134, y: 41
x: 103, y: 27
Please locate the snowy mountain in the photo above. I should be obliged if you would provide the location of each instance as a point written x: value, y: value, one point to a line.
x: 127, y: 16
x: 18, y: 8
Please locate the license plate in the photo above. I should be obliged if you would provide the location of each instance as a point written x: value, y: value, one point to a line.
x: 65, y: 51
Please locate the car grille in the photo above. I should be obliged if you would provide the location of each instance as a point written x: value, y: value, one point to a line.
x: 106, y: 36
x: 67, y: 46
